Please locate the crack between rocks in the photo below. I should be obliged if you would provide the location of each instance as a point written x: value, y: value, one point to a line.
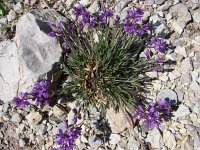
x: 4, y: 80
x: 19, y: 69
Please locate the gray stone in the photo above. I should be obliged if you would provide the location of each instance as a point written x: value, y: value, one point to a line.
x: 182, y: 15
x: 195, y: 75
x: 181, y: 50
x: 180, y: 95
x: 186, y: 78
x: 186, y: 143
x: 69, y: 3
x: 94, y: 7
x: 118, y: 121
x: 114, y: 139
x: 30, y: 56
x: 191, y: 130
x: 155, y: 139
x: 18, y: 8
x: 133, y: 144
x: 3, y: 21
x: 84, y: 2
x: 159, y: 26
x: 149, y: 2
x: 169, y: 139
x: 168, y: 94
x: 11, y: 15
x: 42, y: 129
x: 22, y: 143
x: 94, y: 124
x: 94, y: 141
x: 120, y: 5
x: 196, y: 16
x: 34, y: 118
x: 58, y: 111
x: 83, y: 139
x: 174, y: 75
x: 195, y: 86
x: 159, y: 2
x: 16, y: 118
x: 181, y: 112
x: 187, y: 65
x: 197, y: 142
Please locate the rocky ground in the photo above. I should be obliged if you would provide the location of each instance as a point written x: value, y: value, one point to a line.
x: 29, y: 128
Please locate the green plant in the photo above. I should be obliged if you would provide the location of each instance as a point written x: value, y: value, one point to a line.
x: 3, y: 8
x: 104, y: 64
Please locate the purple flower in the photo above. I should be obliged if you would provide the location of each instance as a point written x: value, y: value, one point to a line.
x: 93, y: 21
x: 104, y: 15
x: 152, y: 117
x: 71, y: 27
x: 117, y: 19
x: 50, y: 24
x: 163, y: 106
x: 40, y: 92
x: 157, y: 69
x: 140, y: 112
x: 66, y: 138
x: 160, y: 59
x: 159, y: 44
x: 52, y: 33
x: 148, y: 53
x: 21, y: 100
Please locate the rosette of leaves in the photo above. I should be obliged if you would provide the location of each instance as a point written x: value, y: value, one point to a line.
x: 104, y: 64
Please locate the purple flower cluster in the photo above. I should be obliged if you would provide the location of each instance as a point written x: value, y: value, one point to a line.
x: 132, y: 22
x: 66, y: 139
x: 153, y: 113
x: 158, y: 44
x: 84, y: 17
x: 21, y: 100
x: 104, y: 15
x: 39, y: 94
x: 55, y: 28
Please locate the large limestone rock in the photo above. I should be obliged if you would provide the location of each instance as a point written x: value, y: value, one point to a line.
x: 30, y: 56
x: 118, y: 121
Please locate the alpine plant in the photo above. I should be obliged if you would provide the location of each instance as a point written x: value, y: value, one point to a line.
x: 102, y: 57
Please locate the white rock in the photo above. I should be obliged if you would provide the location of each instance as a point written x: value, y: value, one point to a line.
x: 94, y: 7
x: 167, y: 94
x: 159, y: 26
x: 16, y: 118
x: 114, y: 139
x: 197, y: 142
x: 84, y: 2
x: 118, y: 121
x: 34, y: 118
x: 18, y: 8
x: 155, y: 139
x: 58, y: 111
x: 181, y: 50
x: 187, y: 65
x: 196, y: 16
x: 22, y: 143
x: 11, y: 15
x: 69, y: 3
x: 186, y: 78
x: 94, y: 141
x: 177, y: 27
x: 29, y: 57
x: 181, y: 112
x: 169, y: 140
x: 133, y: 144
x: 195, y: 86
x: 83, y: 139
x: 182, y: 15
